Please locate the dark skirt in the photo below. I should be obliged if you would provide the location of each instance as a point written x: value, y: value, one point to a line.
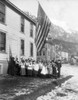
x: 23, y: 71
x: 39, y: 72
x: 54, y: 72
x: 29, y: 72
x: 43, y: 76
x: 35, y: 73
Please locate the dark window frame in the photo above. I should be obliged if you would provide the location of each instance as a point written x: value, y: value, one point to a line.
x: 22, y: 24
x: 31, y: 49
x: 31, y: 29
x: 2, y: 13
x: 2, y: 42
x: 43, y: 53
x: 22, y: 47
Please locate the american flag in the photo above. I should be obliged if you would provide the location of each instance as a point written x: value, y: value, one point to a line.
x: 42, y: 28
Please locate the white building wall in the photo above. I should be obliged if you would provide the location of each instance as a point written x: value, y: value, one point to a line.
x: 29, y: 40
x: 14, y: 36
x: 13, y: 23
x: 13, y: 30
x: 64, y: 55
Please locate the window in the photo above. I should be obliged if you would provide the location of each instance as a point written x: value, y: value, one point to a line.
x: 2, y: 12
x: 2, y: 42
x: 22, y: 24
x: 31, y: 49
x: 43, y: 53
x: 31, y: 30
x: 22, y: 47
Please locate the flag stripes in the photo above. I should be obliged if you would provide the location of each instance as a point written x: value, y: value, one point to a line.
x: 44, y: 38
x: 39, y: 34
x: 38, y: 28
x: 42, y: 28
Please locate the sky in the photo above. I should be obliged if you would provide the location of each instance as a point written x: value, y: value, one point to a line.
x: 63, y: 13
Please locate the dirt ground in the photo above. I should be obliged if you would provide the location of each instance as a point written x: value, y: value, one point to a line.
x: 67, y: 89
x: 29, y: 88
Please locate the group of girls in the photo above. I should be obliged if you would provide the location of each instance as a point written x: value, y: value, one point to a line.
x: 32, y: 68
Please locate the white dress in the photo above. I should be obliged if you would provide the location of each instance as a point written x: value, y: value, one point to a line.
x: 23, y: 69
x: 44, y: 70
x: 36, y: 67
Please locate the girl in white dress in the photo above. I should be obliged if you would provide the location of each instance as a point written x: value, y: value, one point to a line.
x: 22, y: 67
x: 44, y: 71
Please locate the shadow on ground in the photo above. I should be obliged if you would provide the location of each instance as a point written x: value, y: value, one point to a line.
x: 43, y: 89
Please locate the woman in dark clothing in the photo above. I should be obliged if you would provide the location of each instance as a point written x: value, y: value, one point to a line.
x: 26, y: 66
x: 54, y: 67
x: 18, y: 68
x: 58, y: 67
x: 11, y: 66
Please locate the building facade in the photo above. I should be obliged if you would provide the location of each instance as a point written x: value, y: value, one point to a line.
x: 17, y: 34
x: 52, y: 50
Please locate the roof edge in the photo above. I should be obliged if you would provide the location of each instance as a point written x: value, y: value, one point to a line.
x: 15, y: 8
